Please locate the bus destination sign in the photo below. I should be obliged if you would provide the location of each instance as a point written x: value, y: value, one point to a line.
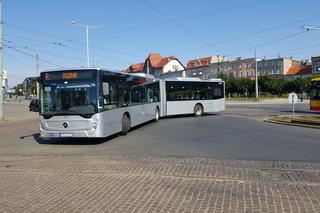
x: 70, y: 75
x: 80, y: 75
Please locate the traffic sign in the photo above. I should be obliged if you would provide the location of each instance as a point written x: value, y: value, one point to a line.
x: 293, y: 98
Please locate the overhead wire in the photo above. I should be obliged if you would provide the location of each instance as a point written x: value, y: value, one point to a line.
x: 27, y: 54
x: 295, y: 49
x: 175, y: 22
x: 251, y: 34
x: 69, y: 40
x: 268, y: 42
x: 72, y: 48
x: 130, y: 29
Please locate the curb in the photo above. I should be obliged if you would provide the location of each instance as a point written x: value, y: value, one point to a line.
x: 291, y: 124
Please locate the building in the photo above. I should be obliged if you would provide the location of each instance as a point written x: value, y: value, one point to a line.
x: 299, y: 72
x: 202, y: 67
x: 238, y: 68
x: 246, y: 68
x: 157, y: 65
x: 315, y: 61
x: 277, y: 66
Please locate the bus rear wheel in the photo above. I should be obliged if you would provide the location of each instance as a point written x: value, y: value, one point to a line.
x: 198, y: 110
x: 126, y: 123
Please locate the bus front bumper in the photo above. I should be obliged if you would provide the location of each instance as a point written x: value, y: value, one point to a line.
x: 68, y: 134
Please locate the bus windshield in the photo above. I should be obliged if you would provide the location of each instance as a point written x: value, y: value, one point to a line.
x: 68, y: 98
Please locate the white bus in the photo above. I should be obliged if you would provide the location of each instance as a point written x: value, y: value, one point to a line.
x: 95, y: 102
x: 100, y: 103
x: 192, y: 95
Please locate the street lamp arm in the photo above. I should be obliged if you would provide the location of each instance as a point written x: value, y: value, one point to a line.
x: 87, y: 27
x: 310, y: 28
x: 76, y: 24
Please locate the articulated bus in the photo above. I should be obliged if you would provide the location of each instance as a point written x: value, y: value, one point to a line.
x: 315, y: 94
x: 98, y: 103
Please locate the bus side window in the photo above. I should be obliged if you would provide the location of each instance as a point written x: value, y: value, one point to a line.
x: 109, y: 96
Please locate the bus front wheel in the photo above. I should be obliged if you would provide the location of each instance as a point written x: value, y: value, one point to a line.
x: 126, y: 123
x: 198, y: 110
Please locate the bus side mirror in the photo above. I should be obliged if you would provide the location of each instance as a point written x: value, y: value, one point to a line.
x: 105, y: 89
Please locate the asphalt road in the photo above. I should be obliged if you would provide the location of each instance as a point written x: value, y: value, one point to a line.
x: 237, y: 133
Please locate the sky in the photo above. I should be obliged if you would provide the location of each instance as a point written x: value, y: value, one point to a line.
x: 128, y: 30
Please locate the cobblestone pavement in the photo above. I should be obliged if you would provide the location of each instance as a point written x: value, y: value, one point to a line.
x: 156, y: 184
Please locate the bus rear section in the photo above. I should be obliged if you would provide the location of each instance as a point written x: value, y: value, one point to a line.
x: 193, y: 96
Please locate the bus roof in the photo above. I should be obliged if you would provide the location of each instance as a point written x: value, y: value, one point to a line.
x: 192, y: 79
x: 71, y: 69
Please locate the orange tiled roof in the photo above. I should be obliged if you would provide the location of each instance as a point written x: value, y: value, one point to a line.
x: 135, y: 68
x: 155, y: 59
x: 299, y: 70
x: 190, y: 63
x: 203, y: 62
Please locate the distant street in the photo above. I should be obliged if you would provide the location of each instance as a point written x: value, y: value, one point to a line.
x: 237, y: 133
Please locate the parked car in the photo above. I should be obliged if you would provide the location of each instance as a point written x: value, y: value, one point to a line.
x: 34, y: 105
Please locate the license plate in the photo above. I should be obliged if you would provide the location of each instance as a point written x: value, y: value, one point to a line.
x: 66, y: 135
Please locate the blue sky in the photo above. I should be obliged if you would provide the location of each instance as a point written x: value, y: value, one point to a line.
x: 130, y: 30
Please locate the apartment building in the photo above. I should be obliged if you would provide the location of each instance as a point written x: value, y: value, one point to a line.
x: 315, y: 61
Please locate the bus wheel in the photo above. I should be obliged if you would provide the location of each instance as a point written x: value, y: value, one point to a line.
x: 156, y: 115
x: 126, y: 123
x: 198, y: 110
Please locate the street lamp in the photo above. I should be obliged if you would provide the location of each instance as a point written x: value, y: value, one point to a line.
x: 87, y: 33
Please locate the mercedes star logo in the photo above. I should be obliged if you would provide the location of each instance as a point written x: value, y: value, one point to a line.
x: 65, y: 125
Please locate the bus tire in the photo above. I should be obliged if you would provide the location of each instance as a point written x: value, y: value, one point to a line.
x: 198, y: 110
x: 126, y: 123
x: 156, y: 114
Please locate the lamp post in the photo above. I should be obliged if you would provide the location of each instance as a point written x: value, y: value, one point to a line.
x: 87, y: 36
x: 1, y: 67
x: 256, y: 70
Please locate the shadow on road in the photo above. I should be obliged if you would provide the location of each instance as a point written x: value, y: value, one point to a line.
x: 78, y: 141
x: 189, y: 116
x: 97, y: 141
x: 68, y: 141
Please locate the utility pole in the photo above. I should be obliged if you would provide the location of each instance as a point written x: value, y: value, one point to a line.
x: 256, y: 69
x: 37, y: 74
x: 87, y: 36
x: 1, y: 67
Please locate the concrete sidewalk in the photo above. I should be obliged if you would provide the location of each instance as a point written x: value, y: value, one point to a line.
x: 153, y: 184
x: 18, y: 111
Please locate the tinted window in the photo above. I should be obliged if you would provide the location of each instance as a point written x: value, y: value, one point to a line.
x: 182, y: 91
